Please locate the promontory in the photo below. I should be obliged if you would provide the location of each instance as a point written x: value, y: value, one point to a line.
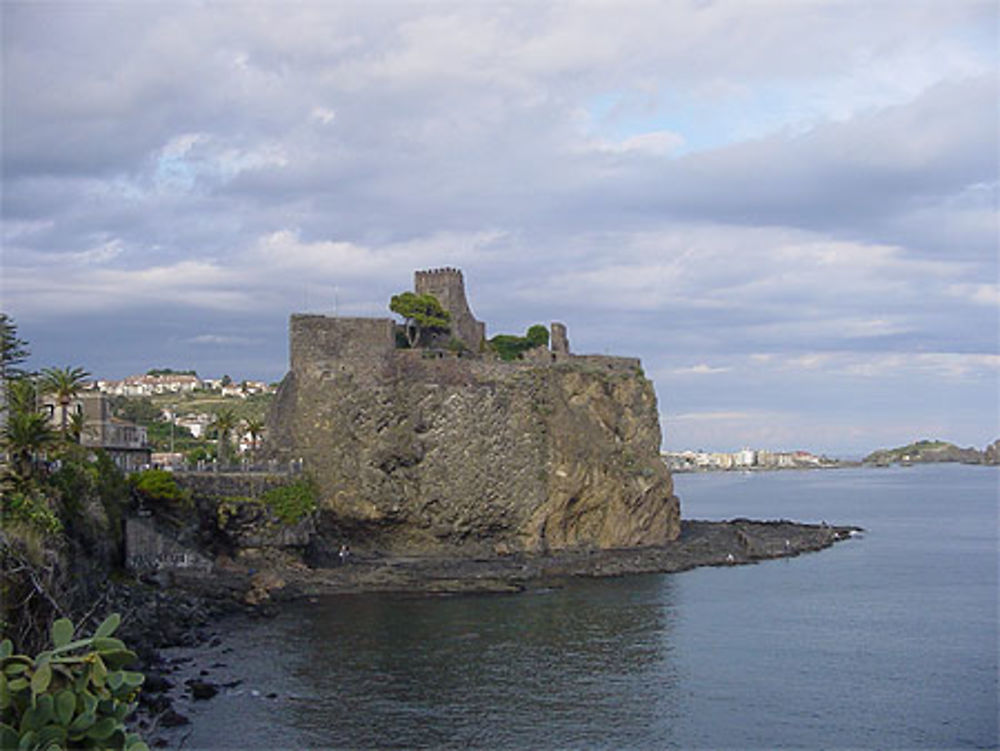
x: 435, y: 440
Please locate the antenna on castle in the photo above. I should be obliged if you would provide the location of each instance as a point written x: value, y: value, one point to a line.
x: 336, y: 301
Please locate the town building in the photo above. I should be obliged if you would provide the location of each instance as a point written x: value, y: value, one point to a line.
x: 125, y: 442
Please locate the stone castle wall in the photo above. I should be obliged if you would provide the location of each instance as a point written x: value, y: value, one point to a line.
x: 367, y: 347
x: 325, y: 342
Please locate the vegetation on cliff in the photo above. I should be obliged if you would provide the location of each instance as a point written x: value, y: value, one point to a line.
x: 61, y: 507
x: 510, y: 347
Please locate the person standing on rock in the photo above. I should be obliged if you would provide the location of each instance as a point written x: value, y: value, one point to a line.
x: 344, y: 553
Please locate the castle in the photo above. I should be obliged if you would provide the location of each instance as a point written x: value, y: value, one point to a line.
x: 332, y: 343
x: 446, y: 447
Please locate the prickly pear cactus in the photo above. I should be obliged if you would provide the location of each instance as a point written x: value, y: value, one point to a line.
x: 75, y: 695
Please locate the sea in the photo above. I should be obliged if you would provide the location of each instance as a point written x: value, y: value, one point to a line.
x: 885, y: 641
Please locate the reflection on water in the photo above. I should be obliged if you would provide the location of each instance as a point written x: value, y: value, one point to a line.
x: 583, y: 664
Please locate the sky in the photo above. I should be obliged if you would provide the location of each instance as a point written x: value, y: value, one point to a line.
x: 787, y: 208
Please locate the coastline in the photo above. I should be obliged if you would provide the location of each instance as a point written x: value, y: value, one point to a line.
x: 199, y: 604
x: 702, y: 543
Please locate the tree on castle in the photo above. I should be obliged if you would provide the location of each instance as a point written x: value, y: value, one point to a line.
x: 423, y: 314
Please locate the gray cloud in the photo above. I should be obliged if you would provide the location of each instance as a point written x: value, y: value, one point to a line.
x: 687, y: 182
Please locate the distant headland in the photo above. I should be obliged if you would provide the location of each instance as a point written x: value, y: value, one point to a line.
x: 928, y: 451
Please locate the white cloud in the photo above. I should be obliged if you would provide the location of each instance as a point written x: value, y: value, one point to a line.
x: 222, y: 339
x: 699, y: 369
x: 813, y: 182
x: 714, y: 416
x: 980, y: 294
x: 323, y: 115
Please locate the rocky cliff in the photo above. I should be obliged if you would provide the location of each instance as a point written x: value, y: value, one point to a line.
x: 418, y: 453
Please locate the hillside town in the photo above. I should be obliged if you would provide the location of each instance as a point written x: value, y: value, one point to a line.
x: 158, y: 383
x: 164, y: 418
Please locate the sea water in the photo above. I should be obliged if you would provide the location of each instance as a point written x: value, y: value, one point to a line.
x: 888, y: 640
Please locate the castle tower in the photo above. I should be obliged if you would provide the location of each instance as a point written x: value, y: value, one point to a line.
x: 448, y: 286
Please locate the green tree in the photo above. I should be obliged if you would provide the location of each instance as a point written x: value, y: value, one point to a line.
x: 538, y: 336
x: 13, y: 349
x: 64, y: 384
x: 224, y: 424
x: 255, y: 427
x: 423, y: 315
x: 25, y: 435
x: 510, y: 347
x: 77, y: 426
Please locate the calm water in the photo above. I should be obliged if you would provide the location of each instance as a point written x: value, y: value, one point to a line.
x: 885, y: 641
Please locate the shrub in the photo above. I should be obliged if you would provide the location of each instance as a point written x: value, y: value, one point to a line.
x: 510, y: 347
x: 537, y: 336
x: 75, y: 695
x: 157, y: 486
x: 29, y: 506
x: 292, y: 503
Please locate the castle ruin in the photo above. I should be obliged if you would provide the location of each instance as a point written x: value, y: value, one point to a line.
x: 448, y: 286
x: 350, y: 344
x: 444, y: 447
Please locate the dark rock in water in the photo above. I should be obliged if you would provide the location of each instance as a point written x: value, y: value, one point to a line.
x: 272, y: 695
x: 215, y: 642
x: 232, y: 684
x: 154, y: 703
x: 155, y: 683
x: 172, y: 718
x: 201, y: 690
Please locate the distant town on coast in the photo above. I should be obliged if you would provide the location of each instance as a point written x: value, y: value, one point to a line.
x: 921, y: 452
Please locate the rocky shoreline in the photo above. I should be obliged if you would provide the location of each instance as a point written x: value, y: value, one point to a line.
x: 701, y: 543
x: 186, y: 609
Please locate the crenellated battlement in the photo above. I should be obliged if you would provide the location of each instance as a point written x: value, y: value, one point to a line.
x: 441, y: 272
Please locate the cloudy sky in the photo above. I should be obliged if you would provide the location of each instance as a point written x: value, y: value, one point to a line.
x: 787, y: 209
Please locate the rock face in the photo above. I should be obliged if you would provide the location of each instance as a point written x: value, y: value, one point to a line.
x: 991, y: 454
x: 418, y: 452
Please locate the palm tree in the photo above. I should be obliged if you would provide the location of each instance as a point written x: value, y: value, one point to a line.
x: 255, y: 427
x: 64, y: 384
x: 27, y: 430
x: 224, y: 423
x: 77, y: 425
